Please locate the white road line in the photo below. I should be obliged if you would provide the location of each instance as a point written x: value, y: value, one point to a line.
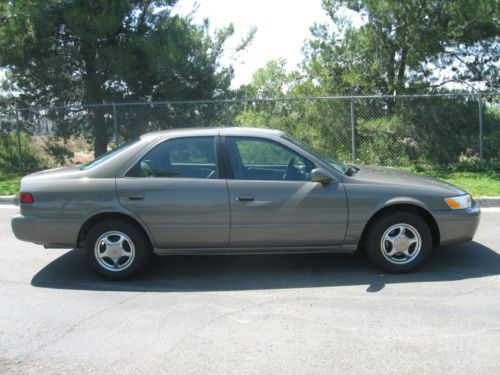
x: 11, y: 206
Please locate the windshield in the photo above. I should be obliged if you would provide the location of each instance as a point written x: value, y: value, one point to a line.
x: 337, y: 165
x: 108, y: 155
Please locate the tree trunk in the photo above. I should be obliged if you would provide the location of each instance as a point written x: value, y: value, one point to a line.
x: 94, y: 95
x: 391, y: 72
x: 100, y: 132
x: 402, y: 68
x: 391, y: 77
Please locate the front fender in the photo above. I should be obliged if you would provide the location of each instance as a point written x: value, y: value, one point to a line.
x: 364, y: 206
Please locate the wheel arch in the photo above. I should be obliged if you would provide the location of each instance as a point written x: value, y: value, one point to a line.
x: 406, y: 207
x: 91, y: 221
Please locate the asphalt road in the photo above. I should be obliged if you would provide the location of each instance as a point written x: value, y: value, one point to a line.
x: 251, y: 314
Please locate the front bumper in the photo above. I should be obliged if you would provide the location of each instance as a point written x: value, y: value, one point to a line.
x: 457, y: 226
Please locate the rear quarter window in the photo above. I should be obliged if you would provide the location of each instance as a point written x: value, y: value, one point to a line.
x: 108, y: 155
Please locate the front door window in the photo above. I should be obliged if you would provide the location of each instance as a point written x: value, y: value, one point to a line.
x: 262, y: 159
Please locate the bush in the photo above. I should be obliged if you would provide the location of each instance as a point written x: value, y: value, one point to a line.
x: 462, y: 166
x: 58, y: 152
x: 9, y: 160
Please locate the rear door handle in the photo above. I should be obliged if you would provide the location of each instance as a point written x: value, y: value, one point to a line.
x: 136, y: 197
x: 245, y: 198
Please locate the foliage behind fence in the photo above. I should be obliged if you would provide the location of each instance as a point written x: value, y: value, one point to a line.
x: 383, y: 130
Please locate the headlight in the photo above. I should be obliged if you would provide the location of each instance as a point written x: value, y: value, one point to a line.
x: 459, y: 203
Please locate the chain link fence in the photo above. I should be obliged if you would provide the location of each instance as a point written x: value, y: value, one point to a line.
x: 383, y: 130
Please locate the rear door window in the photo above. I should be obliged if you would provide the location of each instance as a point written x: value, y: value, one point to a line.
x: 190, y: 157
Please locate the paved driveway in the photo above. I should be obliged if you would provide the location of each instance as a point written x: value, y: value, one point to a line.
x: 251, y: 314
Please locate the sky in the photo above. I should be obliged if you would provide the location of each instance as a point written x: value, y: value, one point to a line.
x: 282, y: 27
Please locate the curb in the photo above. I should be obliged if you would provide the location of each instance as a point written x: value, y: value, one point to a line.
x: 481, y: 202
x: 9, y: 199
x: 488, y: 202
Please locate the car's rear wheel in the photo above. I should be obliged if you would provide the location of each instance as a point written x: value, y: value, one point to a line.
x: 117, y: 249
x: 399, y: 241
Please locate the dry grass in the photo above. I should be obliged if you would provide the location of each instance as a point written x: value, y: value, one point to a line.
x: 78, y: 145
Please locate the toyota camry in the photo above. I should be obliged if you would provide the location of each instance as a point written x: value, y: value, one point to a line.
x: 233, y: 191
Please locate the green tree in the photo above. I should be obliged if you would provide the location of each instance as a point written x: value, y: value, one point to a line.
x: 270, y: 81
x: 322, y: 123
x: 400, y: 45
x: 93, y: 52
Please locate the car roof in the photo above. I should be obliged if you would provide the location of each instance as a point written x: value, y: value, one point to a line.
x: 248, y: 131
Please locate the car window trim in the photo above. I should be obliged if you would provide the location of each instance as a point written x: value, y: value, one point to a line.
x: 225, y: 159
x: 219, y: 155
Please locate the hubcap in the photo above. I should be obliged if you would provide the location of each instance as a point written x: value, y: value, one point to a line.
x: 400, y: 244
x: 114, y: 251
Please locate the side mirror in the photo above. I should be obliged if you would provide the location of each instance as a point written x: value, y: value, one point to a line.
x: 322, y: 176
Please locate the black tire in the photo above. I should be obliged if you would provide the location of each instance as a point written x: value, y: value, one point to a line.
x: 402, y: 222
x: 132, y: 264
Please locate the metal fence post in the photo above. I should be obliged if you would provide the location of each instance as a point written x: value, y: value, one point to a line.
x: 480, y: 105
x: 228, y: 115
x: 115, y: 123
x: 19, y: 149
x: 353, y: 131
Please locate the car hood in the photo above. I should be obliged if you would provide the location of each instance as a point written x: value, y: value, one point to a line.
x: 394, y: 177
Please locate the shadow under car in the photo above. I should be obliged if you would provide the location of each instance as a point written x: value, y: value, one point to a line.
x: 253, y: 272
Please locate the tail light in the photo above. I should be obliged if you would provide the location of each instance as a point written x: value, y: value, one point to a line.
x: 26, y: 198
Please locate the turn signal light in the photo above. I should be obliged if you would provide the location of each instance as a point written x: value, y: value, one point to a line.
x: 452, y: 203
x: 25, y: 198
x: 459, y: 202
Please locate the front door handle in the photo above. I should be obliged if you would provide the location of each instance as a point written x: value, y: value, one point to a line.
x: 245, y: 198
x: 136, y: 197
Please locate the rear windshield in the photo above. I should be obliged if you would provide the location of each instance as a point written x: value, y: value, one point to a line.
x: 109, y: 154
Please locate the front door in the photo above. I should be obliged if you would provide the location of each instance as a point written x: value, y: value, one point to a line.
x: 177, y: 192
x: 274, y: 203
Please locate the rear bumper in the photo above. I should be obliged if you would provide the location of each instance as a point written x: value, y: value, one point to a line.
x: 22, y: 227
x: 457, y: 226
x: 47, y: 231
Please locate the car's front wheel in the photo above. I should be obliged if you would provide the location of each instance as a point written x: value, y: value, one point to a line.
x: 116, y: 249
x: 399, y: 241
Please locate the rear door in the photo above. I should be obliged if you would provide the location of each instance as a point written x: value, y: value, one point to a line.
x: 274, y: 203
x: 178, y: 191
